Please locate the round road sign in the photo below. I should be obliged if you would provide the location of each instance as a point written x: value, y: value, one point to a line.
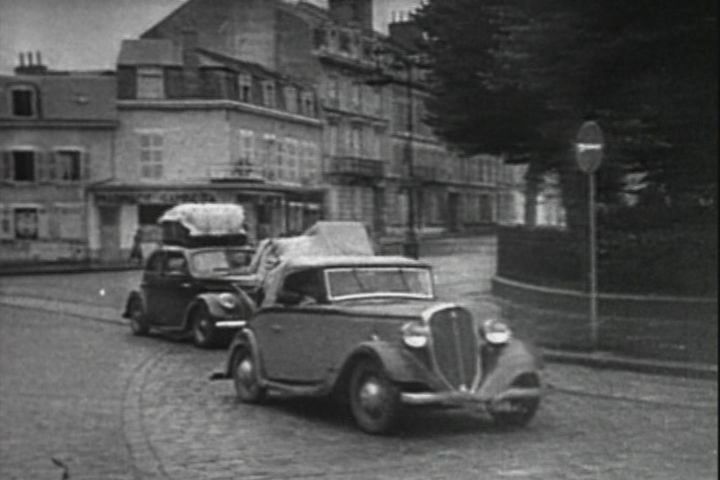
x: 589, y: 147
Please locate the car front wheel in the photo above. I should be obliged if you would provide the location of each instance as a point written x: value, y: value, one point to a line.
x: 374, y: 399
x: 245, y: 377
x: 138, y: 319
x: 204, y: 333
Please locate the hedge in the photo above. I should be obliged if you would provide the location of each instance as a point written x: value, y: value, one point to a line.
x: 664, y: 261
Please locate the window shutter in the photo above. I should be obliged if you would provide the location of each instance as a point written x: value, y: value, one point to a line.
x: 6, y: 223
x: 5, y: 161
x: 85, y: 170
x: 43, y: 224
x: 42, y: 160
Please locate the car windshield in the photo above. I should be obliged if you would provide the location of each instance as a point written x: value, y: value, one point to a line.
x: 220, y: 260
x: 359, y: 282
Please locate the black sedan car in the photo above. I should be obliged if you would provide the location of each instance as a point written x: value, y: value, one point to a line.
x: 205, y: 293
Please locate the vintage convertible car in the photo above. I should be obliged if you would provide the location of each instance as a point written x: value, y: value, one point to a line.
x: 369, y: 331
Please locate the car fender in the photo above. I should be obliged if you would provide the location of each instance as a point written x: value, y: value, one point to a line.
x: 244, y: 338
x: 245, y: 308
x: 400, y: 365
x: 515, y: 359
x: 135, y: 294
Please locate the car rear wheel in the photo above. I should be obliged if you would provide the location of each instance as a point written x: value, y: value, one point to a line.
x: 245, y: 377
x: 516, y: 413
x: 374, y: 399
x: 204, y: 333
x: 138, y: 319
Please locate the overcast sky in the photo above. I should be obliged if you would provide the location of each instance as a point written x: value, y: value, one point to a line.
x: 86, y: 34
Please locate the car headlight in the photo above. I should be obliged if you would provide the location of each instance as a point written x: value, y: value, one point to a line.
x: 496, y: 332
x: 415, y: 335
x: 227, y: 300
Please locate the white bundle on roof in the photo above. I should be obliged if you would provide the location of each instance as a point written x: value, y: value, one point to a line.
x: 212, y: 219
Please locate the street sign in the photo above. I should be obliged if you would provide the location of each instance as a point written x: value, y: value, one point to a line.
x: 589, y: 147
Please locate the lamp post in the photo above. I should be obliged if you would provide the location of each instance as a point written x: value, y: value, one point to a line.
x: 411, y: 245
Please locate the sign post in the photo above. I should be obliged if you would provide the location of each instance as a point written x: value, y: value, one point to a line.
x: 589, y: 147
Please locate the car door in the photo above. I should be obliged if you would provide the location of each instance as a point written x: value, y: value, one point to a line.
x: 285, y: 330
x: 151, y: 286
x: 177, y: 288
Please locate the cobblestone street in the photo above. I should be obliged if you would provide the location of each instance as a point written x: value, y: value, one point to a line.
x: 77, y: 387
x: 114, y: 406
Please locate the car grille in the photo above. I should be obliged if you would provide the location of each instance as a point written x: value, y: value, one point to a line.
x: 455, y: 347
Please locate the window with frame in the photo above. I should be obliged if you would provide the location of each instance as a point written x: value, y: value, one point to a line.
x: 27, y: 223
x: 356, y: 140
x: 67, y: 165
x: 20, y: 165
x: 308, y: 104
x: 268, y: 87
x: 23, y: 100
x: 150, y: 83
x: 333, y: 89
x: 245, y: 162
x: 151, y: 155
x: 332, y: 139
x: 244, y: 81
x: 292, y: 165
x: 291, y: 99
x: 268, y: 152
x: 400, y: 114
x: 355, y: 96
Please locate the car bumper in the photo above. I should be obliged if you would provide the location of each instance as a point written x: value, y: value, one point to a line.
x: 230, y: 323
x: 459, y: 398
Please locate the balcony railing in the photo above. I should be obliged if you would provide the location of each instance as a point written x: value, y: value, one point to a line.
x: 363, y: 167
x: 235, y: 172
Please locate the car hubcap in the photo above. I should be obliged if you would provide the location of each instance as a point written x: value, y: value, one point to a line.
x: 371, y: 397
x: 245, y: 372
x: 202, y: 327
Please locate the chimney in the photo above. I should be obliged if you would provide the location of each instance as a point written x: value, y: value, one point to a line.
x: 359, y: 12
x: 31, y: 67
x: 405, y: 32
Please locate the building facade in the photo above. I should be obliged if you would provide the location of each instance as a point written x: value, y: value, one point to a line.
x: 198, y: 126
x: 56, y: 141
x: 374, y: 133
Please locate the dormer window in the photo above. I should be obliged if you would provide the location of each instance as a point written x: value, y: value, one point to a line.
x: 244, y: 87
x: 291, y: 100
x: 150, y: 84
x: 268, y: 87
x: 23, y: 100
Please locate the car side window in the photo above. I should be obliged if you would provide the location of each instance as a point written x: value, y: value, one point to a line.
x: 175, y: 264
x: 307, y: 284
x: 154, y: 263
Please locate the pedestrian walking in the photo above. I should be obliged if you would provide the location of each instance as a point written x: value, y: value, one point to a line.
x: 136, y: 254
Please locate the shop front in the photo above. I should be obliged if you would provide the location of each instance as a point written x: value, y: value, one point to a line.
x: 126, y: 214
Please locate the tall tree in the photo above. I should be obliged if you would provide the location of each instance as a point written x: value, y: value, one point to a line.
x: 519, y: 76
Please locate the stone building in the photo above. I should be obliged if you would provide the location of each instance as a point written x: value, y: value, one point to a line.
x: 199, y: 126
x: 368, y: 126
x: 56, y: 141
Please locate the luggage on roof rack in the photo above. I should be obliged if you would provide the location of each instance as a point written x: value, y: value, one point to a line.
x: 204, y: 224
